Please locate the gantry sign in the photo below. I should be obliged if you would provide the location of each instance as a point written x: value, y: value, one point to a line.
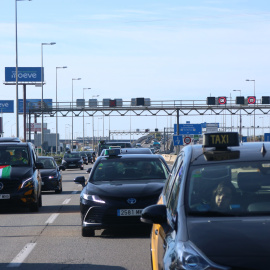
x: 147, y: 107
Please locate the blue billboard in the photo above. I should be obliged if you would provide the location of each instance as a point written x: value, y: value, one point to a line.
x: 6, y: 106
x: 25, y: 74
x: 186, y: 129
x: 34, y: 104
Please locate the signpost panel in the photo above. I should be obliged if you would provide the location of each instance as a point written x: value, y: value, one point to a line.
x: 25, y: 74
x: 177, y: 140
x: 267, y: 137
x: 34, y: 103
x: 186, y: 129
x: 6, y: 106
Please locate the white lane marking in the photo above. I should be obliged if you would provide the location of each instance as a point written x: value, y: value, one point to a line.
x: 74, y: 192
x: 52, y: 218
x: 18, y: 260
x: 66, y: 201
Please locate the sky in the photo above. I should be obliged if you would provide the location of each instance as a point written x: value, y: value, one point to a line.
x: 162, y: 50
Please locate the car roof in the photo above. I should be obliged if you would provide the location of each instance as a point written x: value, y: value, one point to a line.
x: 134, y: 156
x: 9, y: 139
x: 135, y: 151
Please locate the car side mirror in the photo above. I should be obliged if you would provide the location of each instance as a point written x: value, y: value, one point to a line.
x: 39, y: 165
x: 80, y: 180
x: 154, y: 214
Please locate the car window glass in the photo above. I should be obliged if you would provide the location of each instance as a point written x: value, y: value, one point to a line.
x: 48, y: 163
x: 14, y: 155
x: 171, y: 177
x: 235, y: 189
x: 129, y: 169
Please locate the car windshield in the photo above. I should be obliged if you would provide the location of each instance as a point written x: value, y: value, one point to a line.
x: 235, y: 189
x: 48, y: 163
x: 14, y: 155
x: 72, y: 155
x: 129, y: 169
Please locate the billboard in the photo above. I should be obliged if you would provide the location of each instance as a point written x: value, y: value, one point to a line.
x: 34, y: 104
x: 6, y: 106
x: 25, y: 74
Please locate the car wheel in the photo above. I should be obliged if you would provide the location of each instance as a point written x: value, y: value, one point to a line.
x: 86, y: 232
x: 40, y: 201
x: 58, y: 191
x: 81, y: 168
x: 34, y: 207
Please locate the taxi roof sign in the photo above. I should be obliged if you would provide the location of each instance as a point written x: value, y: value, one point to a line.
x: 112, y: 152
x: 220, y: 140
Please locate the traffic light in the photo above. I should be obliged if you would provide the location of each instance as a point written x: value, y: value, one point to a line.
x: 211, y: 101
x: 266, y: 100
x: 112, y: 103
x: 222, y: 100
x: 240, y: 100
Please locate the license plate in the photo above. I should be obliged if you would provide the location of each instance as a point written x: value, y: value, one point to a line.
x: 129, y: 212
x: 4, y: 196
x: 72, y: 165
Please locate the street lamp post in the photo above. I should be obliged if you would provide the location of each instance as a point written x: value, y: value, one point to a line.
x: 254, y: 106
x: 240, y: 126
x: 17, y: 91
x: 93, y: 138
x: 42, y: 79
x: 83, y: 114
x: 72, y: 113
x: 56, y: 118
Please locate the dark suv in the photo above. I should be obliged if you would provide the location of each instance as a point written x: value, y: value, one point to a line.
x: 72, y: 160
x: 20, y: 180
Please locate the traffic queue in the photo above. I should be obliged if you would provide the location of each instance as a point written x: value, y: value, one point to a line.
x: 210, y: 211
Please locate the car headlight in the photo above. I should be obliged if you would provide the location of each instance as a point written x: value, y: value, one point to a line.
x: 190, y: 258
x: 63, y: 161
x: 28, y: 183
x: 94, y: 198
x: 53, y: 176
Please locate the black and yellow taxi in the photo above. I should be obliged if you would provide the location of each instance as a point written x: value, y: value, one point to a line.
x: 214, y: 210
x: 119, y: 187
x: 20, y: 179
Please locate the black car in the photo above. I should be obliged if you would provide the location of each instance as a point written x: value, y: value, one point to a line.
x: 214, y: 210
x: 20, y: 179
x: 51, y: 174
x: 72, y: 160
x: 118, y: 188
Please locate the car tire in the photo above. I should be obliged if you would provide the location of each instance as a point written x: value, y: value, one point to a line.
x: 34, y: 207
x: 81, y: 168
x: 86, y: 232
x: 40, y: 201
x: 58, y: 191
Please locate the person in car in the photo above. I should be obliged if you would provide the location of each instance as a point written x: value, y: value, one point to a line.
x: 18, y: 157
x: 222, y: 197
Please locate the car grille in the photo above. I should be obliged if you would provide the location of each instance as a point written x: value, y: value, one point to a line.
x: 10, y: 185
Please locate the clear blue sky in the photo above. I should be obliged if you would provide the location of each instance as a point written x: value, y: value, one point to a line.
x: 163, y: 50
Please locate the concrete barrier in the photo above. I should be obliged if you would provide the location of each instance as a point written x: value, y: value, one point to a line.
x: 169, y: 158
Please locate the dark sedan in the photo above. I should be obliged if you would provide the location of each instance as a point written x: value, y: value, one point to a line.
x: 72, y: 160
x: 118, y: 188
x: 51, y: 174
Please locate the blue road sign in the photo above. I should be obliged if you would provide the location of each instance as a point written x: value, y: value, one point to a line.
x: 6, y: 106
x: 34, y: 103
x: 185, y: 129
x: 267, y: 137
x: 177, y: 140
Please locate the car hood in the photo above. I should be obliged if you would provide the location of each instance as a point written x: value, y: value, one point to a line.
x: 48, y: 172
x: 72, y: 159
x: 21, y: 172
x: 119, y: 189
x: 242, y: 243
